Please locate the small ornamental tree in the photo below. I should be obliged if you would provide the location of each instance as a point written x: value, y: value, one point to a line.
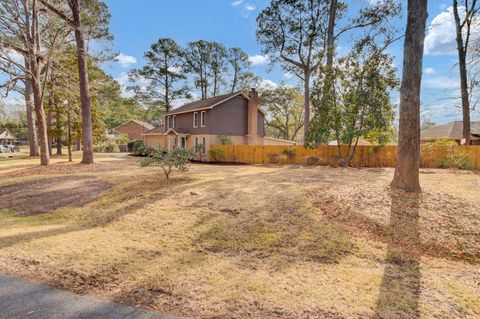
x: 168, y: 160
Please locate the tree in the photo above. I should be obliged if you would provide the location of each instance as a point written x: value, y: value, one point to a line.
x: 463, y: 31
x: 284, y: 109
x: 293, y: 34
x: 163, y: 74
x: 361, y: 104
x: 75, y: 22
x: 239, y: 64
x: 168, y: 160
x: 218, y: 64
x: 406, y: 175
x: 198, y: 59
x: 20, y: 32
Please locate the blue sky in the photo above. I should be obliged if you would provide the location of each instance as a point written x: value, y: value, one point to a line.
x: 136, y: 24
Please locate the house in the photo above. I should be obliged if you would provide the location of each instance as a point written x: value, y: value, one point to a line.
x: 453, y: 131
x: 134, y: 129
x: 199, y: 124
x: 6, y: 137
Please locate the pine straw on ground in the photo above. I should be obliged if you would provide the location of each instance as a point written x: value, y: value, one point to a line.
x: 260, y: 242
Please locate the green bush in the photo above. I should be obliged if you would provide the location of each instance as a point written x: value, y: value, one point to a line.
x: 143, y: 150
x: 133, y: 145
x: 122, y: 139
x: 216, y: 155
x: 224, y: 140
x: 169, y: 160
x: 105, y: 147
x: 455, y: 160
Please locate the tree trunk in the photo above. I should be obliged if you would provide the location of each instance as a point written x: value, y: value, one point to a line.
x: 40, y: 113
x: 462, y: 64
x: 58, y: 129
x: 49, y: 128
x: 32, y: 127
x: 69, y: 135
x: 87, y: 132
x: 408, y: 154
x: 306, y: 89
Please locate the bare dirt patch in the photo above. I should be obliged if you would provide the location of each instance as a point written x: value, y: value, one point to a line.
x: 44, y: 195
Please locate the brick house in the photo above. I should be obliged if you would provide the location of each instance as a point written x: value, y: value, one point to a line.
x: 202, y: 123
x: 134, y: 129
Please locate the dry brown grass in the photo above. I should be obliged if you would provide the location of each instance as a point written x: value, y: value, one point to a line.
x: 256, y: 241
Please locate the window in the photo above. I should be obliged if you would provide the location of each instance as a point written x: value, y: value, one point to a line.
x: 204, y: 145
x: 183, y: 142
x: 168, y: 122
x: 174, y: 121
x: 203, y: 118
x: 195, y: 119
x: 195, y: 144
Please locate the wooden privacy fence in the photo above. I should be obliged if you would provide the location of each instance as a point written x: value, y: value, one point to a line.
x: 366, y: 156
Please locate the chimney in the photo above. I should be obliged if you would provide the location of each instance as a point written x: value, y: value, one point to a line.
x: 252, y: 116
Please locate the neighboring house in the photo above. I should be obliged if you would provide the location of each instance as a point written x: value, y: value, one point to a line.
x: 134, y: 129
x: 6, y: 137
x: 453, y: 131
x: 202, y: 123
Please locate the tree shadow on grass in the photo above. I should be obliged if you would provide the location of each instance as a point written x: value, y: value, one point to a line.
x: 400, y: 288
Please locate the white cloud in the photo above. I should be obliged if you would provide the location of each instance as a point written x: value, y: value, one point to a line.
x: 258, y: 59
x: 440, y: 82
x: 249, y: 7
x: 174, y: 69
x: 125, y: 60
x: 440, y: 39
x: 429, y: 70
x: 237, y: 3
x: 267, y: 84
x: 288, y: 75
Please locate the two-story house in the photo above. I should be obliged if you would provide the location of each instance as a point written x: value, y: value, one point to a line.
x: 202, y: 123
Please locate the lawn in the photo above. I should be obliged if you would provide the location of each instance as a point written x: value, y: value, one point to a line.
x: 246, y: 241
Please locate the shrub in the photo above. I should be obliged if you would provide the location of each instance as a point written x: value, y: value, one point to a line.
x: 168, y: 160
x: 143, y: 150
x: 312, y: 160
x: 106, y: 147
x: 122, y: 139
x: 217, y: 155
x: 290, y: 152
x: 273, y: 158
x: 133, y: 145
x: 455, y: 160
x: 224, y: 140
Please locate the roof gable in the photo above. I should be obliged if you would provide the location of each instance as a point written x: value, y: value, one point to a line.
x: 452, y: 130
x: 206, y: 104
x: 6, y: 134
x: 146, y: 125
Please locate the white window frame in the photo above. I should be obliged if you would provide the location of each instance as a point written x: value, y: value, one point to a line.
x: 203, y: 118
x: 195, y: 144
x: 195, y: 119
x: 174, y: 121
x: 204, y: 145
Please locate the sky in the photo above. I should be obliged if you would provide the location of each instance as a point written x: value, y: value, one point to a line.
x: 136, y: 24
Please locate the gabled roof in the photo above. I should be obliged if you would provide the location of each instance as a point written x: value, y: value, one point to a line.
x: 146, y: 125
x: 450, y: 130
x: 6, y: 134
x: 156, y: 131
x: 206, y: 103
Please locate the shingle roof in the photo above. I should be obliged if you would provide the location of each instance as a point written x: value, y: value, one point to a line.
x: 204, y: 104
x: 157, y: 130
x: 5, y: 130
x: 146, y: 125
x: 452, y: 130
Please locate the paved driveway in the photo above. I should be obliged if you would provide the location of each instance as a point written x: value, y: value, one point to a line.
x: 21, y: 299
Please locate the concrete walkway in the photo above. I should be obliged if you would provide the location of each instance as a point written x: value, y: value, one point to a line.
x: 21, y: 299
